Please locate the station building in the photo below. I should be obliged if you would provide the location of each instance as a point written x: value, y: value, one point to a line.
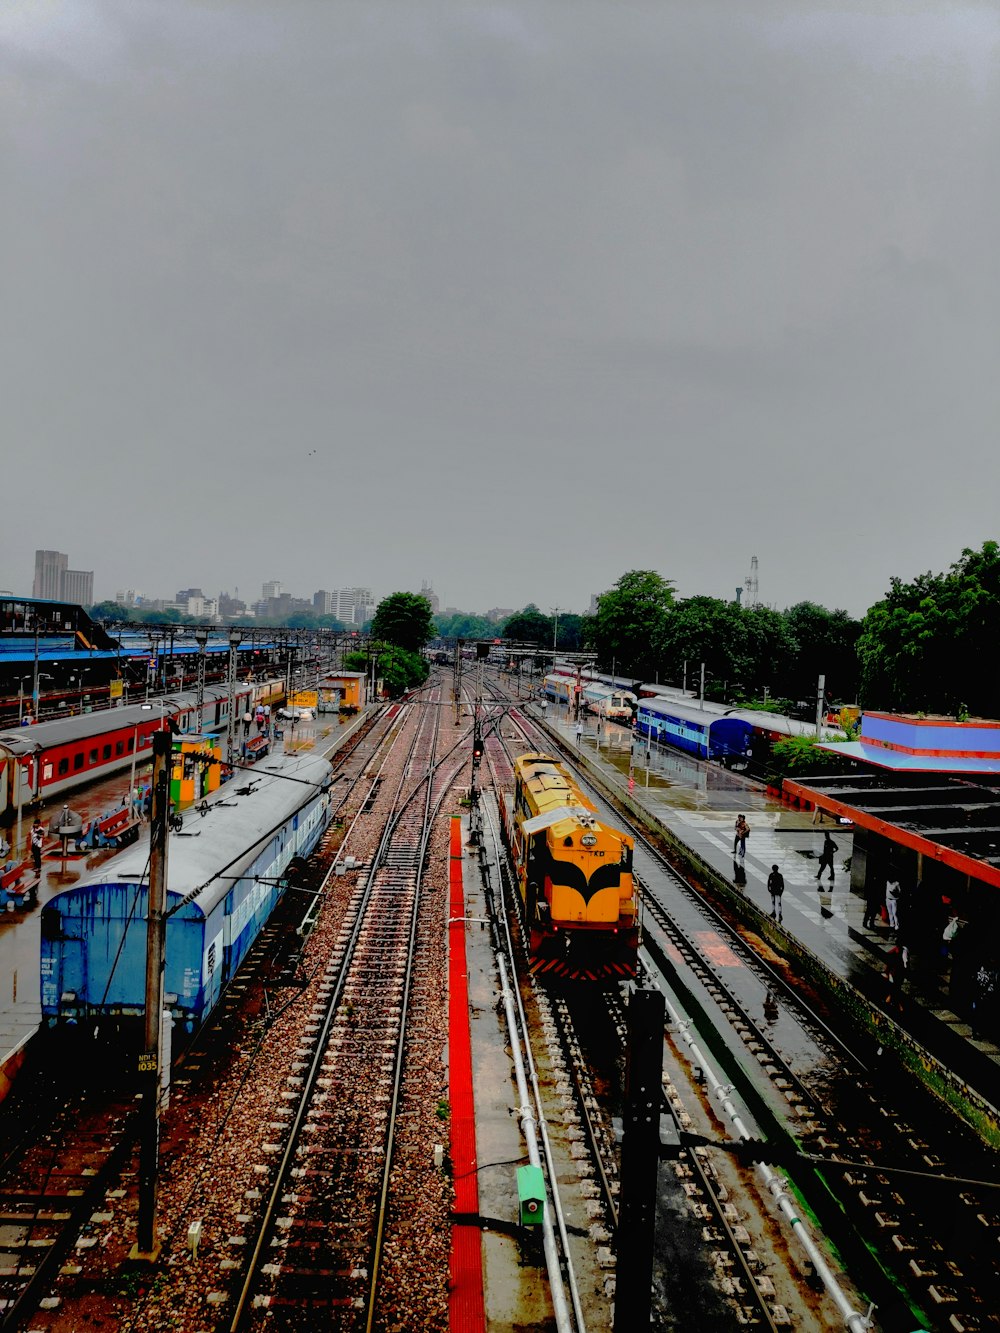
x: 925, y: 802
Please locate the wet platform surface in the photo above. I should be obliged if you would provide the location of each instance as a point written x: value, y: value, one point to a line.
x: 698, y: 802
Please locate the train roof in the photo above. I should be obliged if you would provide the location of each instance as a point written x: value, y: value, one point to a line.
x: 205, y: 859
x: 63, y: 730
x: 791, y: 726
x: 675, y: 700
x: 689, y: 712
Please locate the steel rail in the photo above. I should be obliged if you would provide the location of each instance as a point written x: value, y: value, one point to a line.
x: 319, y: 1056
x: 400, y: 1052
x: 526, y: 1071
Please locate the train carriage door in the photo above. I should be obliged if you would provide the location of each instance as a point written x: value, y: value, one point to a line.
x: 227, y: 937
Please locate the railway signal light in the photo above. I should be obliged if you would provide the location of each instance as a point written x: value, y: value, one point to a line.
x: 477, y: 745
x: 531, y: 1195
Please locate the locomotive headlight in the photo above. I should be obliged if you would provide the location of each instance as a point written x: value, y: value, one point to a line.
x: 589, y: 840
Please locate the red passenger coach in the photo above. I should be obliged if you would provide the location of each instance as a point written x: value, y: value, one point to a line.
x: 41, y: 762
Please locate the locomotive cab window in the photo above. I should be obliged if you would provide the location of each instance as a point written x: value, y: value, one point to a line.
x: 93, y: 756
x: 107, y: 752
x: 78, y: 761
x: 63, y: 766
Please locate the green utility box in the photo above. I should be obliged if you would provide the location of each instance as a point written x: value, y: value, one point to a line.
x: 531, y: 1195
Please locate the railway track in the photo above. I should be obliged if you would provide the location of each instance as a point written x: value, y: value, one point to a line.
x: 321, y: 1239
x: 65, y: 1155
x: 866, y: 1162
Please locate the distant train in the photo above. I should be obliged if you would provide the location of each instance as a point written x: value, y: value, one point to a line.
x: 574, y: 876
x: 605, y: 701
x: 704, y: 728
x: 44, y: 761
x: 222, y: 885
x: 728, y: 739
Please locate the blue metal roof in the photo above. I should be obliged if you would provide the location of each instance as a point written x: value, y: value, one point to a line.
x: 898, y: 762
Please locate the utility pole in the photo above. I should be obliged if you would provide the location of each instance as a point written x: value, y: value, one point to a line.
x: 555, y: 632
x: 482, y: 649
x: 150, y: 1060
x: 820, y: 699
x: 201, y: 639
x: 701, y: 696
x: 640, y: 1160
x: 457, y: 683
x: 34, y: 685
x: 234, y: 642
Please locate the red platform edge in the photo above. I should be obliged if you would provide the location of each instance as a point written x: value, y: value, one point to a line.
x: 466, y: 1308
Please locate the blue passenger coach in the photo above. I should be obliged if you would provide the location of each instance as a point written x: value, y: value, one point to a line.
x: 726, y: 739
x: 221, y: 889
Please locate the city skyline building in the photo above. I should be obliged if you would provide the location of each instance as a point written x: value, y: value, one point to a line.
x: 55, y: 582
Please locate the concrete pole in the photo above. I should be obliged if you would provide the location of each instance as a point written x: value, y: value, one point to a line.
x: 34, y: 686
x: 640, y: 1160
x: 701, y: 694
x: 820, y: 697
x: 201, y: 638
x: 147, y: 1246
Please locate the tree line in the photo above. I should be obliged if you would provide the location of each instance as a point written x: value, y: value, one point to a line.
x: 927, y: 646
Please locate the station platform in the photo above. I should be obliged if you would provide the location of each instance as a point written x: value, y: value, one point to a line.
x: 696, y: 803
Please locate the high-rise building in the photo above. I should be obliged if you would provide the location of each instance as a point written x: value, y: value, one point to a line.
x: 427, y: 591
x: 351, y: 606
x: 78, y: 586
x: 231, y: 607
x: 271, y: 589
x: 323, y: 603
x: 50, y: 566
x: 55, y: 582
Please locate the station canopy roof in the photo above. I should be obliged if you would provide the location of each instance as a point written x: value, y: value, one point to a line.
x: 897, y: 761
x: 953, y: 820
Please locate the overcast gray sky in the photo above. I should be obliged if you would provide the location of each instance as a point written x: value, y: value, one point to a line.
x: 510, y: 297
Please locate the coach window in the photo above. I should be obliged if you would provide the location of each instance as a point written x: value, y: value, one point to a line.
x: 119, y: 747
x: 93, y: 757
x: 107, y: 752
x: 78, y: 760
x: 63, y: 766
x: 129, y: 743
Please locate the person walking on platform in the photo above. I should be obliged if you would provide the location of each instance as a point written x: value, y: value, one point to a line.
x: 826, y: 856
x: 247, y: 721
x: 893, y: 892
x: 986, y: 985
x: 37, y: 841
x: 776, y: 887
x: 895, y: 974
x: 740, y: 840
x: 874, y: 902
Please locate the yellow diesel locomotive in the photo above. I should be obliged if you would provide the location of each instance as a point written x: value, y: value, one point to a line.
x: 574, y: 876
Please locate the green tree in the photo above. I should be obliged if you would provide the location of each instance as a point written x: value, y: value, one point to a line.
x: 744, y: 649
x: 398, y: 669
x: 570, y: 632
x: 630, y: 622
x: 801, y: 757
x: 826, y: 643
x: 464, y: 625
x: 931, y: 644
x: 110, y: 611
x: 529, y: 626
x: 405, y: 619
